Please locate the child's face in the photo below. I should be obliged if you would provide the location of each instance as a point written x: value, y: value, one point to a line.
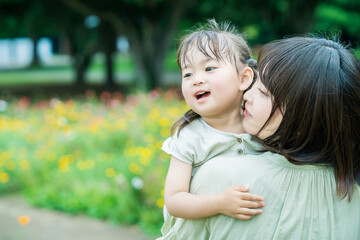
x: 210, y: 87
x: 258, y: 108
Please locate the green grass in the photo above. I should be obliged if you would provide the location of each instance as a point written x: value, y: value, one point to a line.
x: 37, y: 76
x: 64, y: 72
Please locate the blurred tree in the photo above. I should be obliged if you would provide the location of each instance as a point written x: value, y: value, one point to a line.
x: 21, y: 18
x: 266, y: 20
x: 50, y: 18
x: 36, y: 24
x: 260, y: 20
x: 152, y: 25
x: 83, y: 42
x: 149, y: 26
x: 9, y: 16
x: 340, y: 17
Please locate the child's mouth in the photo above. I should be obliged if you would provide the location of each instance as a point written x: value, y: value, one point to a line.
x: 201, y: 95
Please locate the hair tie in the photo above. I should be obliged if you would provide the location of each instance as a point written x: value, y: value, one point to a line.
x: 186, y: 118
x: 251, y: 62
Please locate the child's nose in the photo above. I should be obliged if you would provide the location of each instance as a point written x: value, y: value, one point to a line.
x: 198, y: 80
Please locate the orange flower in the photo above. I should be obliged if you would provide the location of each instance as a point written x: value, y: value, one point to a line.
x: 24, y: 220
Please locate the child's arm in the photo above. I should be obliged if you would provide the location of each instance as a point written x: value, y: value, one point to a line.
x: 180, y: 203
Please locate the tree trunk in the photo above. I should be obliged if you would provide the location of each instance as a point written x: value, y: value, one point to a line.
x: 110, y: 83
x: 108, y: 39
x: 82, y: 62
x: 35, y: 61
x: 150, y: 44
x: 149, y: 25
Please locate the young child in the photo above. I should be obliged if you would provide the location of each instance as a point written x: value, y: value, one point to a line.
x: 305, y: 107
x: 216, y: 68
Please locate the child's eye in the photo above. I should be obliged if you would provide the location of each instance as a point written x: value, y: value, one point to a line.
x: 186, y: 75
x: 209, y: 69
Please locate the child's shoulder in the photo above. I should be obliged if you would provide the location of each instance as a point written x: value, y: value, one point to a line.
x: 196, y: 127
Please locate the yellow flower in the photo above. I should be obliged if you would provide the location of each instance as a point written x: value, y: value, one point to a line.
x: 154, y: 113
x: 24, y: 220
x: 4, y: 177
x: 6, y: 155
x: 165, y: 122
x: 66, y: 129
x: 25, y: 165
x: 160, y: 202
x: 174, y: 112
x: 145, y: 156
x: 64, y: 162
x: 10, y: 165
x: 63, y: 168
x: 73, y: 116
x: 134, y: 168
x: 81, y: 165
x: 110, y: 172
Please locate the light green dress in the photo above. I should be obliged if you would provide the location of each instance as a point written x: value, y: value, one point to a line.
x: 300, y: 202
x: 198, y: 142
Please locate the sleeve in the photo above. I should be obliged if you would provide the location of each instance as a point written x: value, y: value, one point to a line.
x: 182, y: 146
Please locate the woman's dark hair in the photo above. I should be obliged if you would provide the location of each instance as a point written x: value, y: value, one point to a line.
x: 315, y: 82
x: 222, y: 41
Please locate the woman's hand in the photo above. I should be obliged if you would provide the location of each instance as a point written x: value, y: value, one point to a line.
x: 237, y: 203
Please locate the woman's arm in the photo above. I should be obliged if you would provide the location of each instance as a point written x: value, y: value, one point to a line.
x: 234, y: 201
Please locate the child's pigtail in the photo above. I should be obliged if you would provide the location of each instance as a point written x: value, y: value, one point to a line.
x: 188, y: 117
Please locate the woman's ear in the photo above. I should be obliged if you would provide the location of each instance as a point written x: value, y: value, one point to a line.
x: 247, y: 77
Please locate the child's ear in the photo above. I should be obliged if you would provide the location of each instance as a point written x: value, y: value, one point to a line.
x: 247, y: 77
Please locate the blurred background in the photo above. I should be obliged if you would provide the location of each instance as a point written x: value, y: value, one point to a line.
x: 89, y: 90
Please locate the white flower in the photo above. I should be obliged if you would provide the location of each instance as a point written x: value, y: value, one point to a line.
x: 137, y: 183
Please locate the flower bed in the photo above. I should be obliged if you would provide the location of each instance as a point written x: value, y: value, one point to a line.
x: 98, y: 155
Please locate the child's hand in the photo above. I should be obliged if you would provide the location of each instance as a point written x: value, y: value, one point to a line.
x: 236, y: 203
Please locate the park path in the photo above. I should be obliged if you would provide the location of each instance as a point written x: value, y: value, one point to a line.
x: 51, y: 225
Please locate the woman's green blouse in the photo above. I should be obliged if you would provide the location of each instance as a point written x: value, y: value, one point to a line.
x: 301, y: 201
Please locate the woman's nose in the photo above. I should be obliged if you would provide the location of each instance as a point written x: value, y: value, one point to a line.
x: 247, y: 95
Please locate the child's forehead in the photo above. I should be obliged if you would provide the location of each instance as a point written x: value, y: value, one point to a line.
x: 200, y: 55
x: 195, y: 56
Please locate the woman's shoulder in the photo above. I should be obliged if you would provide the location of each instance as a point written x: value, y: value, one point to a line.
x: 278, y: 159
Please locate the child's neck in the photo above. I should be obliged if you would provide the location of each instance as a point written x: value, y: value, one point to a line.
x: 230, y: 124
